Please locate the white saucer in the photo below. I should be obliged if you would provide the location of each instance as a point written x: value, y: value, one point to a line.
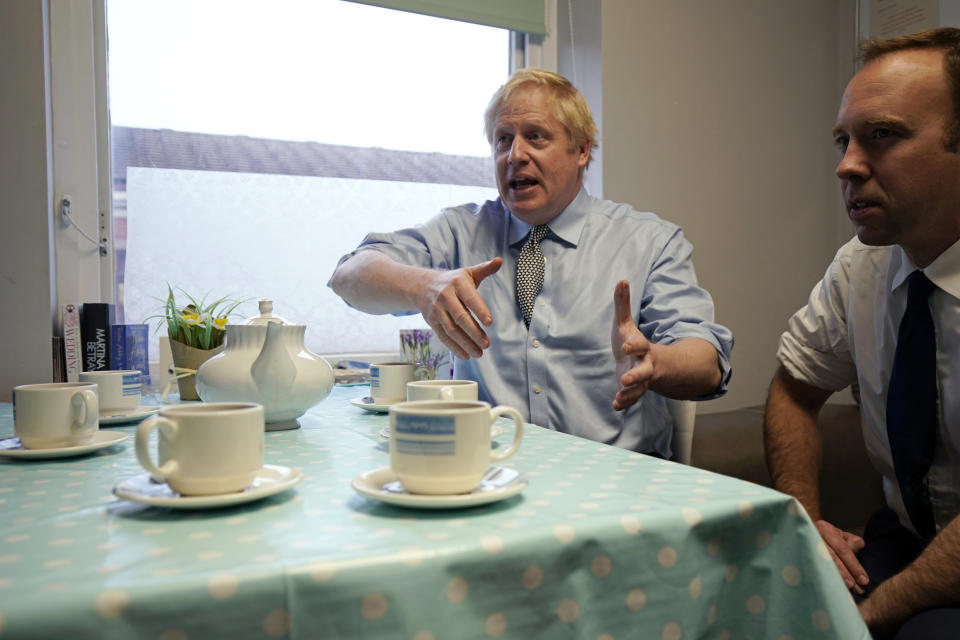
x: 130, y: 415
x: 367, y: 404
x: 500, y: 483
x: 270, y: 480
x: 495, y: 430
x: 12, y: 448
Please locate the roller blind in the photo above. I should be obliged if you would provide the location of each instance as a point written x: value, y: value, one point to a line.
x: 518, y: 15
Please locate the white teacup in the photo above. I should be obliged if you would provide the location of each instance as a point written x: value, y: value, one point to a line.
x: 55, y: 414
x: 388, y: 380
x: 441, y: 390
x: 204, y: 449
x: 117, y: 389
x: 443, y: 447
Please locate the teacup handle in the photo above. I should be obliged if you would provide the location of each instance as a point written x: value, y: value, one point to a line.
x: 143, y: 452
x: 517, y: 431
x: 85, y: 401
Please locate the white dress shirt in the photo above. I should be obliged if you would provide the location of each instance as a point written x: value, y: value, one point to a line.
x: 847, y: 332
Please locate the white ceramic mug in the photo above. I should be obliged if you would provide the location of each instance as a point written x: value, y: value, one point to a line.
x: 55, y: 414
x: 441, y: 390
x: 443, y: 447
x: 204, y: 449
x: 388, y: 380
x: 117, y: 389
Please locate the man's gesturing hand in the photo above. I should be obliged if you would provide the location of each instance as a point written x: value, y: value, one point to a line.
x: 631, y: 350
x: 452, y: 306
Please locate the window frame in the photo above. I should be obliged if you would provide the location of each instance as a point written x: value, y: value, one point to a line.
x: 82, y: 168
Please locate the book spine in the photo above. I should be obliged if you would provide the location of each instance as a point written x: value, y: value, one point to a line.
x: 137, y: 339
x: 118, y: 347
x: 71, y: 342
x: 95, y: 321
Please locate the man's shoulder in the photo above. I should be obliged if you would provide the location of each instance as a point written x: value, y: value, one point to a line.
x: 625, y: 214
x: 490, y: 208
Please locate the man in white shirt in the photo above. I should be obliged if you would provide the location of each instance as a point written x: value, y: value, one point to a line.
x: 898, y: 132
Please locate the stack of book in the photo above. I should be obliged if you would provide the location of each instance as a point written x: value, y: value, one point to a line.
x: 92, y: 341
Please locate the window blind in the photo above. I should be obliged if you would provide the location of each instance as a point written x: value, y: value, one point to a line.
x: 518, y: 15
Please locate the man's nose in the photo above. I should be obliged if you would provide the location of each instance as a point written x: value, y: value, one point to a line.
x: 853, y: 164
x: 518, y: 151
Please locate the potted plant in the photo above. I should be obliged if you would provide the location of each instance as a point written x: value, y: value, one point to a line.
x: 417, y: 346
x: 196, y: 331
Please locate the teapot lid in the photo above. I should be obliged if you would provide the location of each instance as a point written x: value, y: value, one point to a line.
x: 266, y: 315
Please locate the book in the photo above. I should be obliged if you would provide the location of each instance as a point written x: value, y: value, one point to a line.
x: 59, y: 369
x: 96, y: 319
x: 128, y: 347
x: 71, y: 342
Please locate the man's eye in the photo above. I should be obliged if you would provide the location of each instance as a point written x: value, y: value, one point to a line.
x: 502, y: 140
x: 880, y: 134
x: 841, y: 142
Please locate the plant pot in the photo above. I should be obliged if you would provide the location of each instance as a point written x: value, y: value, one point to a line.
x: 186, y: 357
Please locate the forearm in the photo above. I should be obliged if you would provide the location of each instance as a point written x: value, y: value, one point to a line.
x: 930, y: 581
x: 685, y: 369
x: 373, y: 283
x: 792, y: 439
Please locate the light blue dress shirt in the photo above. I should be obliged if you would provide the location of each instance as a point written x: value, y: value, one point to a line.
x: 561, y: 373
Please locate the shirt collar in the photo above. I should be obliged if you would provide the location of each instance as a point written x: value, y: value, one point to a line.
x: 567, y: 225
x: 943, y: 272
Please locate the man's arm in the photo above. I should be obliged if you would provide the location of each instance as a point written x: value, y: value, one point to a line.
x: 793, y: 446
x: 448, y: 300
x: 686, y: 369
x: 930, y: 581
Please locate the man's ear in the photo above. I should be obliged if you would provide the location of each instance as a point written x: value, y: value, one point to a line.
x: 583, y: 155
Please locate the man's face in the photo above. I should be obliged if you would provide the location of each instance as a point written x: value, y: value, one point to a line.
x: 900, y: 183
x: 537, y: 173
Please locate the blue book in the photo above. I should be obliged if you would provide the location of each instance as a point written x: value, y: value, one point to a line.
x: 128, y: 346
x: 118, y: 347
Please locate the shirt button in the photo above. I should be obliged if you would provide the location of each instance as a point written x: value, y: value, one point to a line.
x: 536, y: 389
x: 541, y: 303
x: 536, y: 343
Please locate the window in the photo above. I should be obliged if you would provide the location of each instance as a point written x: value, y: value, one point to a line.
x: 254, y: 144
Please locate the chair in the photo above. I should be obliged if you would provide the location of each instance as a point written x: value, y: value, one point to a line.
x: 684, y: 412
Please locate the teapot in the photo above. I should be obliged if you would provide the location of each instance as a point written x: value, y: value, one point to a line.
x: 266, y: 361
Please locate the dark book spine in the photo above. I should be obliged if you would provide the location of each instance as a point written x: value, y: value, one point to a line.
x: 95, y: 321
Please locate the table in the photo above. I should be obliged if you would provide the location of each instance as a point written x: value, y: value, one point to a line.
x: 603, y: 544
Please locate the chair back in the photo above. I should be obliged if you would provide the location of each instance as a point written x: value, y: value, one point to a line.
x: 684, y: 413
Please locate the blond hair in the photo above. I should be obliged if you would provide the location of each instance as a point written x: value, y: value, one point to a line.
x: 567, y: 103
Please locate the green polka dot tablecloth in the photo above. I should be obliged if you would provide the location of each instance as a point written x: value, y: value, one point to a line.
x: 604, y: 544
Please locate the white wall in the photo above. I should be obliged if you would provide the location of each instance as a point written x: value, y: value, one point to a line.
x: 26, y: 272
x: 717, y: 116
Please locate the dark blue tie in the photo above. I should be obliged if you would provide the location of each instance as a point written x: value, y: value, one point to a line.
x: 912, y: 403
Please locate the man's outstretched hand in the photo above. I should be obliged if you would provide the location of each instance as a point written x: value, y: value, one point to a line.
x: 452, y: 306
